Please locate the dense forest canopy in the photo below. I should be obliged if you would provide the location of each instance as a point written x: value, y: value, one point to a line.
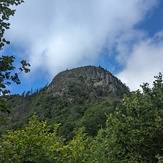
x: 133, y: 133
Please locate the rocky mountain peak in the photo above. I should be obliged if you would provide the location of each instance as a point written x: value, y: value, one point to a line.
x: 95, y: 80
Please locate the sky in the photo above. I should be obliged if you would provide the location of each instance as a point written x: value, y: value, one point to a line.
x: 123, y: 36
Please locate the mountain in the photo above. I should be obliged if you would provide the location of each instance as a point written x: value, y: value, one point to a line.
x: 77, y: 97
x: 98, y: 81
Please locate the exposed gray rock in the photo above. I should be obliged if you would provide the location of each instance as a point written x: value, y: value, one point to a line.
x: 95, y: 79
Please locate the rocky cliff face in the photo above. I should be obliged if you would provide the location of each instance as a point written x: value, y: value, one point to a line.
x: 95, y: 80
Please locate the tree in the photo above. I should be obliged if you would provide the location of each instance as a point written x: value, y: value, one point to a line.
x: 78, y: 150
x: 34, y: 143
x: 7, y: 69
x: 95, y: 118
x: 6, y: 12
x: 134, y: 132
x: 37, y: 143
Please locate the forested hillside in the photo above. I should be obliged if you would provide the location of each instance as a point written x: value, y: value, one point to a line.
x: 85, y: 115
x: 78, y: 97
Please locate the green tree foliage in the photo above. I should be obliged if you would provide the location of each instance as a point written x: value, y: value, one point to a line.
x: 34, y: 143
x: 95, y: 117
x: 78, y: 149
x: 5, y: 13
x: 7, y: 68
x: 6, y: 75
x: 134, y: 132
x: 6, y: 62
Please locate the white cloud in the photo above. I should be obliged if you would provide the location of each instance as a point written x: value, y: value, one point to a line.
x: 144, y: 62
x: 59, y: 34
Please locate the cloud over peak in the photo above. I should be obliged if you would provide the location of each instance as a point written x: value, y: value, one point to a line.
x: 60, y: 34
